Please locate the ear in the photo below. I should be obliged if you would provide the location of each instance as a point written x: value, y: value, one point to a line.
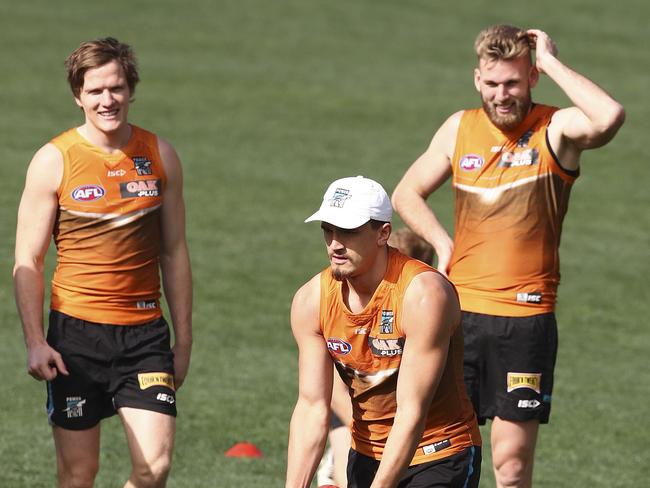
x: 533, y: 76
x: 78, y: 102
x: 477, y: 79
x: 384, y: 234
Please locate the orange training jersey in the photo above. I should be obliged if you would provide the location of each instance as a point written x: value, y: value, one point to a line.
x: 367, y: 350
x: 107, y: 232
x: 511, y: 198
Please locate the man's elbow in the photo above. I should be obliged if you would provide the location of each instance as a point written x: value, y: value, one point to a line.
x: 612, y: 121
x: 399, y: 197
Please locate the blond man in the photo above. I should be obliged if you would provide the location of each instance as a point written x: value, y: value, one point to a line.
x: 512, y: 164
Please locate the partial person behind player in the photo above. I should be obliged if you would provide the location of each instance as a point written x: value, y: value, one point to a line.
x: 333, y: 466
x: 389, y: 323
x: 110, y: 194
x: 513, y: 163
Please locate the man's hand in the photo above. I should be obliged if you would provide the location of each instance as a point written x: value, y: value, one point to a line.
x: 543, y: 45
x: 444, y: 250
x: 44, y: 363
x: 181, y: 363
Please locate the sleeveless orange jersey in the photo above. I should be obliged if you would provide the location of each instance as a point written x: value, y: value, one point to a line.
x: 367, y: 350
x: 511, y: 198
x: 107, y: 232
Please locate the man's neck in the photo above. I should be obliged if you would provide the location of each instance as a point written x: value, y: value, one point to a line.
x: 109, y: 142
x: 359, y: 290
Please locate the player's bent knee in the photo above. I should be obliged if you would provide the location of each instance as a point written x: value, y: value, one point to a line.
x: 78, y: 476
x: 512, y: 472
x: 152, y: 474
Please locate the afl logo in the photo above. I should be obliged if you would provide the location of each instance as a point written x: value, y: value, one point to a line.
x: 337, y: 346
x: 88, y: 193
x: 470, y: 162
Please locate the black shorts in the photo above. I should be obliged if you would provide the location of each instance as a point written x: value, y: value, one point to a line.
x: 110, y: 366
x: 508, y: 366
x: 461, y: 470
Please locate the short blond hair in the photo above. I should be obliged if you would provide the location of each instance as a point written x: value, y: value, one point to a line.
x: 408, y: 242
x: 502, y: 42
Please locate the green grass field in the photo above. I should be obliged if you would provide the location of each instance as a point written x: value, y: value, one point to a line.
x: 267, y: 102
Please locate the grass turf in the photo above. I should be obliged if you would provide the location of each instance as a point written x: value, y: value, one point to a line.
x: 267, y: 102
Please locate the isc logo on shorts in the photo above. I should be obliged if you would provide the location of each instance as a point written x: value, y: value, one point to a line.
x: 338, y: 346
x: 524, y: 380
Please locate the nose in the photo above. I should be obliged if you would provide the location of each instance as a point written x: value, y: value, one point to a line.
x: 106, y: 98
x: 335, y: 242
x: 502, y: 92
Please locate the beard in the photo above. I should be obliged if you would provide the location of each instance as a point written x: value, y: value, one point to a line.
x: 512, y: 120
x: 338, y: 274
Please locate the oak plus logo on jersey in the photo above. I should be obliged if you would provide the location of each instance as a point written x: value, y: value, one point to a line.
x: 527, y: 157
x: 88, y: 193
x: 338, y: 346
x: 140, y: 188
x: 470, y: 162
x: 386, y: 347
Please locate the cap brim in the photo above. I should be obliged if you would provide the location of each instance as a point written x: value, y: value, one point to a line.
x: 338, y: 219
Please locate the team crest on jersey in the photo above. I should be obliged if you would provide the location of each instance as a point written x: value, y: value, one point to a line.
x: 338, y: 346
x: 386, y: 324
x: 527, y: 157
x: 88, y: 193
x: 140, y: 188
x: 142, y: 165
x: 386, y: 347
x: 339, y: 197
x: 523, y: 140
x: 471, y: 162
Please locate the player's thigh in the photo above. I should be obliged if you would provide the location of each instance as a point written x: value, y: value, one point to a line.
x: 512, y: 439
x: 77, y: 451
x: 150, y: 435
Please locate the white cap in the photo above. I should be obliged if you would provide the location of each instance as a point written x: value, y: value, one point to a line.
x: 350, y: 202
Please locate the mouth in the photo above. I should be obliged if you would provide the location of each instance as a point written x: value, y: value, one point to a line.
x: 108, y: 114
x: 338, y: 259
x: 504, y: 109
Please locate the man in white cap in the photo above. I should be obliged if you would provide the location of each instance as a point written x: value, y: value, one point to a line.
x: 389, y: 324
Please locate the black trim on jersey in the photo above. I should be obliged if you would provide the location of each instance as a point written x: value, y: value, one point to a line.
x: 571, y: 172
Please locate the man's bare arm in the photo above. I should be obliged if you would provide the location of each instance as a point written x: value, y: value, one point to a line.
x: 595, y: 117
x: 310, y: 419
x: 36, y: 216
x: 175, y: 262
x: 431, y: 314
x: 424, y: 177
